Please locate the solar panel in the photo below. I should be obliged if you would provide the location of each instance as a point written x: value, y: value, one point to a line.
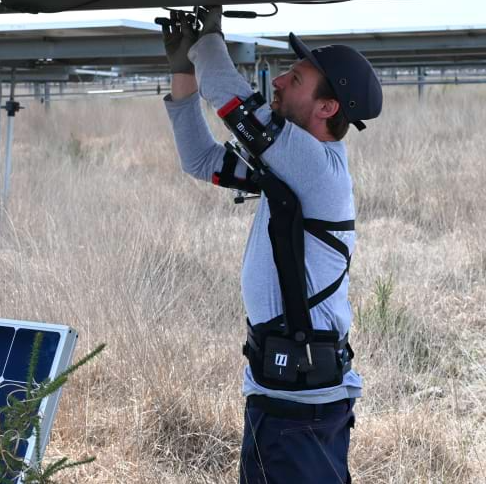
x: 51, y: 6
x: 56, y: 351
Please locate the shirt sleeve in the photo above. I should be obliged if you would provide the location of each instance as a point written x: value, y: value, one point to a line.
x: 200, y: 154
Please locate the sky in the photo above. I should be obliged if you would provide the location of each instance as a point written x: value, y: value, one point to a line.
x: 353, y: 15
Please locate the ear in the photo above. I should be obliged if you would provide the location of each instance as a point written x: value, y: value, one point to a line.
x: 326, y: 108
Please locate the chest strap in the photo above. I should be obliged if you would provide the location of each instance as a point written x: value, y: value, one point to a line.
x: 319, y: 229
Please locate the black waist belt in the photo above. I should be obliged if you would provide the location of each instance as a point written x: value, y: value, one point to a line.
x: 280, y: 363
x: 293, y: 410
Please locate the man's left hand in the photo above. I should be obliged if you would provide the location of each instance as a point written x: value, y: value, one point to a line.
x: 178, y: 37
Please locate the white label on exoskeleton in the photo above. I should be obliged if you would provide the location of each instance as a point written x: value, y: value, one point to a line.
x: 280, y: 359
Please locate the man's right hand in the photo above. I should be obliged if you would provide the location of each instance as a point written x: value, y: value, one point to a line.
x: 178, y: 37
x: 211, y: 18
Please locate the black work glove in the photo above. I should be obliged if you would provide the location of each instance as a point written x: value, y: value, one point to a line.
x: 211, y: 18
x: 178, y: 36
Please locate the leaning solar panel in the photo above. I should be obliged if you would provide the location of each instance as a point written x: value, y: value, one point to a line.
x: 16, y: 344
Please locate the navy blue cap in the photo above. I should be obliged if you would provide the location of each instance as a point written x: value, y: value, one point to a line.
x: 351, y: 77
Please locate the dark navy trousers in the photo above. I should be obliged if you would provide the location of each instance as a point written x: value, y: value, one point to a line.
x: 288, y: 451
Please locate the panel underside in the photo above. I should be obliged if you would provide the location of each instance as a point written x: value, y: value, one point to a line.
x: 52, y: 6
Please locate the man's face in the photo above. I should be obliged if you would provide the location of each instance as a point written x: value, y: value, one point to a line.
x: 294, y: 93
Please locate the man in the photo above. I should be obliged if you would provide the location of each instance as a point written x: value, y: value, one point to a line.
x: 296, y: 428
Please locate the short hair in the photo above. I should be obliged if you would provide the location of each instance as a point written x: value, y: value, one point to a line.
x: 338, y: 125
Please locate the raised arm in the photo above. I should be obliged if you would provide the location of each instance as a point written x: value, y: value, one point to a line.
x: 183, y: 85
x: 200, y: 154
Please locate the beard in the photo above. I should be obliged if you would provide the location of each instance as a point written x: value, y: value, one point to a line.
x: 290, y: 113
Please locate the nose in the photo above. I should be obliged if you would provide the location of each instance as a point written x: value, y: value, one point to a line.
x: 282, y: 80
x: 278, y: 82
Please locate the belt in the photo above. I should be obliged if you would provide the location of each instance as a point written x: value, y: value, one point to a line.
x: 293, y: 410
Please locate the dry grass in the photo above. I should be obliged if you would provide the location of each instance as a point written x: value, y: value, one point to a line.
x: 104, y: 233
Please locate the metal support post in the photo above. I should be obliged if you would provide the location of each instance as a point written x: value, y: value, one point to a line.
x: 267, y: 87
x: 0, y: 113
x: 37, y: 92
x: 420, y: 79
x: 274, y: 69
x: 12, y: 107
x: 262, y: 77
x: 256, y: 84
x: 47, y: 95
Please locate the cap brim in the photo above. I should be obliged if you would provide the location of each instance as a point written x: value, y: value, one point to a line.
x: 302, y: 51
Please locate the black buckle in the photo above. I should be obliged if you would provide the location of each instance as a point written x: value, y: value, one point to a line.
x: 344, y: 359
x: 254, y: 102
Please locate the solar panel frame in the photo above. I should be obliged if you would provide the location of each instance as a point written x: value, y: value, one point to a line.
x: 53, y: 6
x: 62, y: 359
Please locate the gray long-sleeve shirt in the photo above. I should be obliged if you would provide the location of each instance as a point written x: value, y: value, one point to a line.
x: 318, y: 174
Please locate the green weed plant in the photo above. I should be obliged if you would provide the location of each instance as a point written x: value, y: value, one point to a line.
x: 391, y: 328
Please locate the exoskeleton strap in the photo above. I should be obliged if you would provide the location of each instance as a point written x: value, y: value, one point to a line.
x: 227, y: 178
x: 238, y: 116
x: 287, y: 240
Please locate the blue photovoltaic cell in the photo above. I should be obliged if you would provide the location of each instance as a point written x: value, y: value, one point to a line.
x: 6, y: 338
x: 18, y: 362
x: 12, y: 390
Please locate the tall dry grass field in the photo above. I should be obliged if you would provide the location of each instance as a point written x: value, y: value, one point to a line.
x: 103, y: 232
